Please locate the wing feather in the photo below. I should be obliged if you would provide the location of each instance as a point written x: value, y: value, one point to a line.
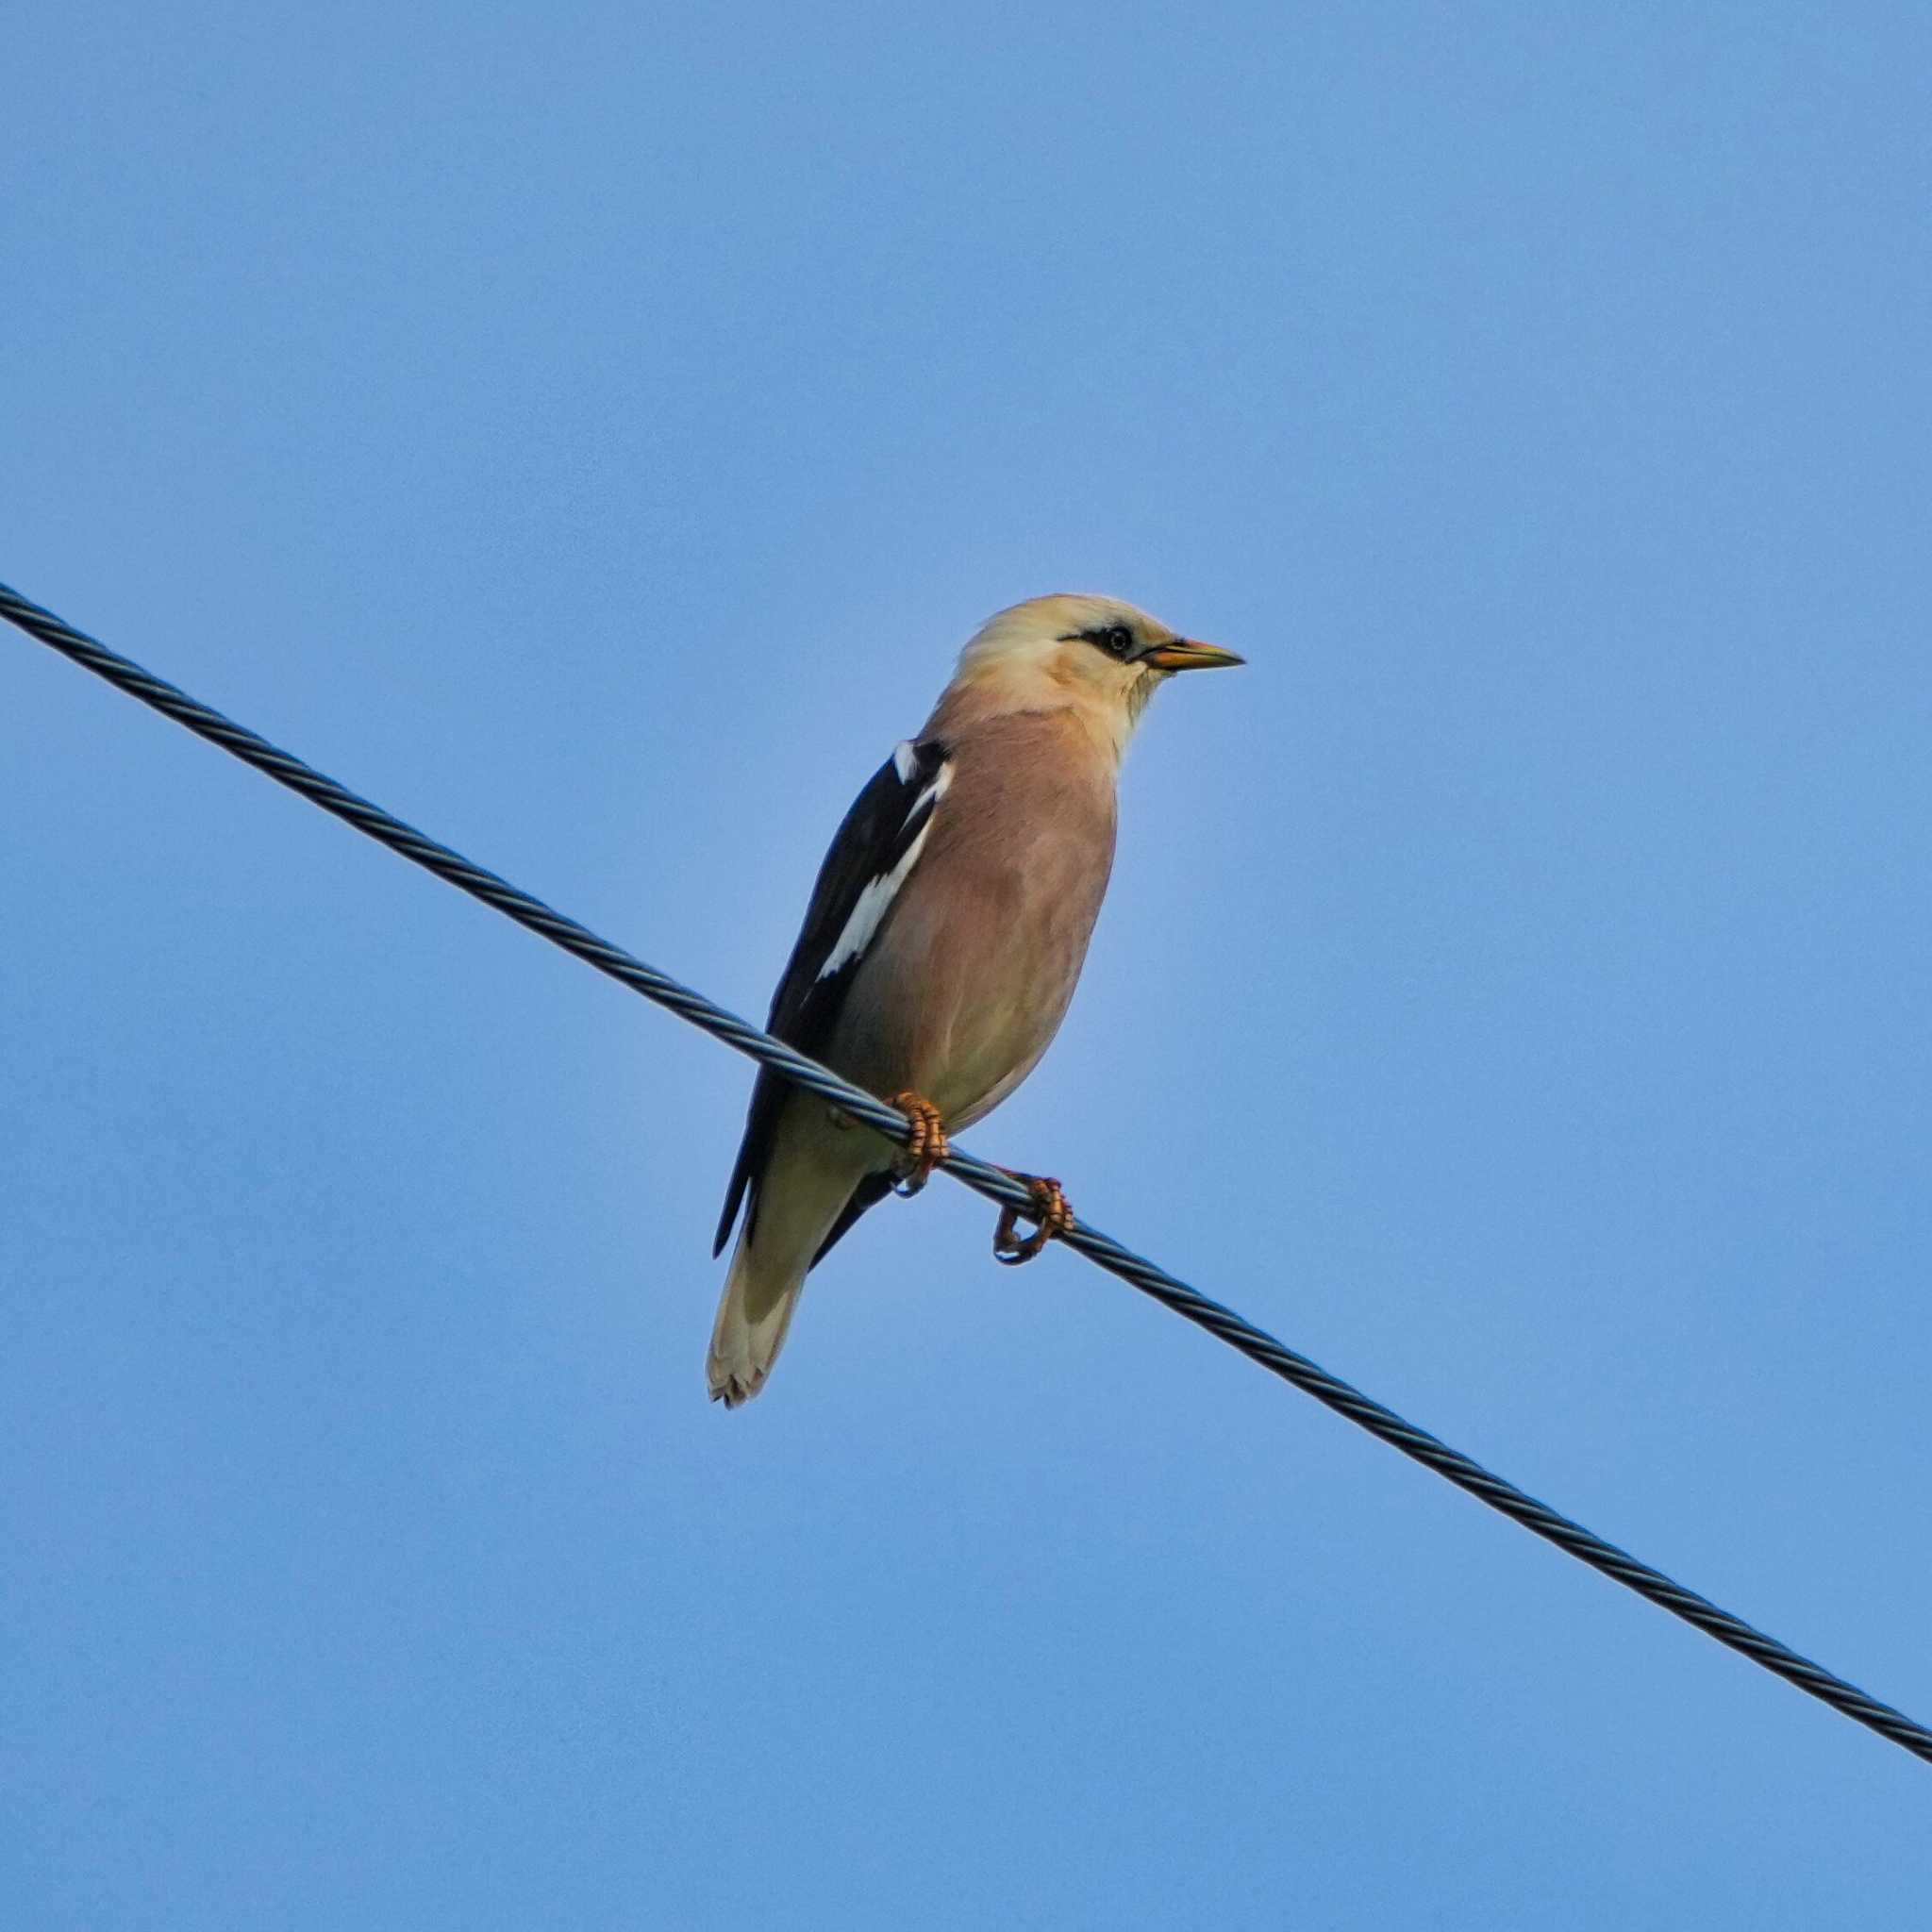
x: 871, y: 857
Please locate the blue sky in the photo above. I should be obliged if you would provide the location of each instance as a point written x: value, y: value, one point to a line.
x: 590, y: 431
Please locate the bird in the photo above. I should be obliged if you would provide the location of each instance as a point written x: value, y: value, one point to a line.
x: 940, y: 947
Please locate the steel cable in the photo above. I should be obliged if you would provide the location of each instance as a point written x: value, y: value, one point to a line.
x: 995, y: 1183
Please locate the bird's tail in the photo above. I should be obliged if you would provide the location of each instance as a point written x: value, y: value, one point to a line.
x: 804, y: 1203
x: 762, y: 1289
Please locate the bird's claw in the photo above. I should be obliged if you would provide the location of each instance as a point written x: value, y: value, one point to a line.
x: 1051, y: 1217
x: 928, y: 1149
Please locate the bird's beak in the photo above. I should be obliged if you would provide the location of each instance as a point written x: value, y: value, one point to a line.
x: 1187, y: 654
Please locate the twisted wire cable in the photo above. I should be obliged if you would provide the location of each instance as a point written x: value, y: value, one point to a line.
x: 995, y: 1183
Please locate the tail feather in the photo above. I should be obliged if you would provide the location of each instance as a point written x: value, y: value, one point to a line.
x: 754, y: 1314
x: 801, y: 1204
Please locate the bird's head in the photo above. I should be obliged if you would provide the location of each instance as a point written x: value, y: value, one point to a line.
x: 1094, y: 655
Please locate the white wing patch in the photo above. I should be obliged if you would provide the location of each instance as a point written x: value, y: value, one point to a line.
x: 878, y: 894
x: 904, y: 761
x: 934, y: 792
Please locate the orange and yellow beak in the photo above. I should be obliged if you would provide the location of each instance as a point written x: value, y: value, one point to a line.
x: 1188, y: 653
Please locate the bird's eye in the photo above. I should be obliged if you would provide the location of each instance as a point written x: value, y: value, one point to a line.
x: 1117, y: 640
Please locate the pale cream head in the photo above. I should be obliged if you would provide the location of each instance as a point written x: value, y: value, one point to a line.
x: 1098, y: 656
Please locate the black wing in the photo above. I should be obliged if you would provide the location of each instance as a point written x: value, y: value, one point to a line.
x: 850, y: 905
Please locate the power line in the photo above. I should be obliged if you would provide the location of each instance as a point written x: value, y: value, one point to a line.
x: 992, y: 1182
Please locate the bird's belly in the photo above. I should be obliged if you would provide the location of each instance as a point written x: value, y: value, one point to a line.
x: 991, y: 1045
x: 970, y: 991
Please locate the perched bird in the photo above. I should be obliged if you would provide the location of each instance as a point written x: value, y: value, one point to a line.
x: 944, y: 935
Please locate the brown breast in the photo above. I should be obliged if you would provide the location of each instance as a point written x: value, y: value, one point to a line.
x: 977, y: 966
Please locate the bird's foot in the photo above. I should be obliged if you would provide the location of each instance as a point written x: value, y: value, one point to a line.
x: 928, y: 1148
x: 1051, y: 1217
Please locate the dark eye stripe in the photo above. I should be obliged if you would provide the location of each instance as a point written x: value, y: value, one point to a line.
x: 1116, y: 640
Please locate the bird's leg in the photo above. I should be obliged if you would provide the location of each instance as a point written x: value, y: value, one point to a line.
x: 926, y: 1150
x: 1050, y: 1215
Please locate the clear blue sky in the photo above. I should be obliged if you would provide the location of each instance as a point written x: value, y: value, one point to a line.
x: 590, y: 431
